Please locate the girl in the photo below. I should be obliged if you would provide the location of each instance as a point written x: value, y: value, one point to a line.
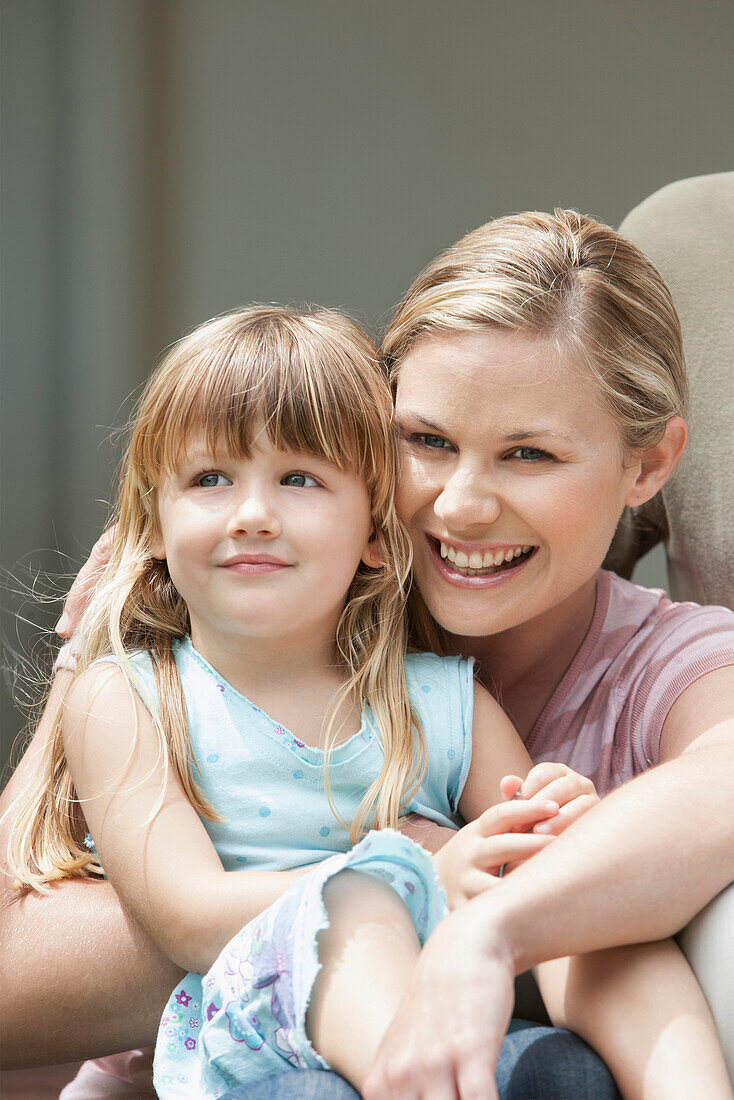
x: 258, y: 569
x: 257, y: 551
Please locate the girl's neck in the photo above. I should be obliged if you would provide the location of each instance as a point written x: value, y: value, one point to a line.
x: 523, y: 666
x: 296, y: 684
x: 259, y: 665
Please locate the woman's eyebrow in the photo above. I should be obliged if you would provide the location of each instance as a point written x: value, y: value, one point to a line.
x: 403, y: 417
x: 529, y: 433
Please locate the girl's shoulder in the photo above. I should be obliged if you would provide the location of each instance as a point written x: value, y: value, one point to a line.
x: 428, y: 669
x: 441, y: 689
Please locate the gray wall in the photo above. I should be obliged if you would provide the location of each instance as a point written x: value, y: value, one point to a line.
x: 167, y: 159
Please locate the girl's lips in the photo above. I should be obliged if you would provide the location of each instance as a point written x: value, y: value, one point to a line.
x: 490, y: 580
x: 255, y: 568
x: 255, y: 565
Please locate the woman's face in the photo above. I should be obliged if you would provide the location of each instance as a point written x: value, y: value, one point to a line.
x: 513, y: 477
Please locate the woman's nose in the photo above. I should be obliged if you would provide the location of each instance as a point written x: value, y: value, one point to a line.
x: 254, y: 516
x: 467, y: 500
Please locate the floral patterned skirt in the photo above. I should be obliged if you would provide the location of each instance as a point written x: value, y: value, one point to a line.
x: 246, y: 1018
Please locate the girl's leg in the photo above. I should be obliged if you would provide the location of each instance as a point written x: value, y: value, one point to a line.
x: 644, y: 1012
x: 367, y: 956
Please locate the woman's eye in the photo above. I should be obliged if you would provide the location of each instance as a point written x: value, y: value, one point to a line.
x: 530, y: 454
x: 299, y: 481
x: 433, y: 442
x: 212, y: 481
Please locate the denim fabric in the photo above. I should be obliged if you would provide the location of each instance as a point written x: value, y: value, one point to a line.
x: 535, y: 1063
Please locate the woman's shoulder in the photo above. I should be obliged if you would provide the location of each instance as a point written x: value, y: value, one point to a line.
x: 651, y: 613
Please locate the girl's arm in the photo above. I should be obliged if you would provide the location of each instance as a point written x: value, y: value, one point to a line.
x: 151, y: 842
x: 636, y: 868
x: 501, y: 833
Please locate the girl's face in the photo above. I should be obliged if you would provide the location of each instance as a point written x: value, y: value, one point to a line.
x: 262, y: 547
x: 513, y: 477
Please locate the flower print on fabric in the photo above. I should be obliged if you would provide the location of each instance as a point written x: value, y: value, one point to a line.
x: 263, y: 966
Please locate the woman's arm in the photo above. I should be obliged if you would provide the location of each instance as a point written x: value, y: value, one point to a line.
x: 79, y: 978
x: 151, y: 842
x: 636, y: 868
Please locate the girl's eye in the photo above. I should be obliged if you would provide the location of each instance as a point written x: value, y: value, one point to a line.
x: 433, y: 442
x: 299, y: 481
x: 530, y: 454
x: 212, y: 481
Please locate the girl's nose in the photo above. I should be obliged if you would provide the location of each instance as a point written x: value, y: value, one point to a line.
x: 467, y: 500
x: 254, y: 516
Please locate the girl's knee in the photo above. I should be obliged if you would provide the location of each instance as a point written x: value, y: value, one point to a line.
x: 354, y: 898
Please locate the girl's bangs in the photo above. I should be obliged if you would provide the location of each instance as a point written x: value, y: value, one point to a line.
x: 309, y: 396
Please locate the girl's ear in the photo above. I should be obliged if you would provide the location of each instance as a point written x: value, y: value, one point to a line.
x: 656, y: 464
x: 157, y: 549
x: 372, y: 554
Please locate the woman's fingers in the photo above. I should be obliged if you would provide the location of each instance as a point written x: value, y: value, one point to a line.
x: 567, y: 788
x: 540, y: 776
x: 84, y: 585
x: 510, y: 787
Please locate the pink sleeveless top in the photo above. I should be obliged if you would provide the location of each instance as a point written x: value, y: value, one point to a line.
x: 641, y: 652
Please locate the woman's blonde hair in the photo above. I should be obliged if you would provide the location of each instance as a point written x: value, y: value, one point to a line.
x: 315, y: 380
x: 566, y: 277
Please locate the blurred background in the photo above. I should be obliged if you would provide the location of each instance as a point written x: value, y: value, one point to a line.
x: 165, y: 160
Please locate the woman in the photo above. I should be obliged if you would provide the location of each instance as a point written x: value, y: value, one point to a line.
x: 540, y: 316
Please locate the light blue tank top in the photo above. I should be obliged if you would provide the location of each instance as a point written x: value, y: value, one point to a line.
x: 269, y: 787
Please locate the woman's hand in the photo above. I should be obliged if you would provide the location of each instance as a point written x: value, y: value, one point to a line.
x: 469, y: 863
x: 574, y: 793
x: 445, y: 1037
x: 84, y: 585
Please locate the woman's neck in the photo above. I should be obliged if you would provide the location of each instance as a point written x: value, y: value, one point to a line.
x: 523, y: 666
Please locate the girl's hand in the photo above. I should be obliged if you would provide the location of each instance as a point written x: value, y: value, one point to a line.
x: 84, y: 585
x: 574, y: 793
x: 468, y: 864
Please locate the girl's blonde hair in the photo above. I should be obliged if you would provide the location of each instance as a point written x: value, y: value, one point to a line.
x: 315, y: 380
x: 570, y: 278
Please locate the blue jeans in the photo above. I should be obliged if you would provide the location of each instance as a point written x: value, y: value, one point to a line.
x: 535, y: 1063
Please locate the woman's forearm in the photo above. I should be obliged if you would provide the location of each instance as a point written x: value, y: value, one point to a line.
x: 80, y: 979
x: 636, y: 868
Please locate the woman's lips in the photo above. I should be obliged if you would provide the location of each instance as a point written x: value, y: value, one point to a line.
x: 461, y: 580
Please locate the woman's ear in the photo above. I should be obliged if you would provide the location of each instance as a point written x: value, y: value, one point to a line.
x: 657, y: 463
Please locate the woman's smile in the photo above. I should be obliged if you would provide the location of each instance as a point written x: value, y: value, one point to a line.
x: 479, y: 566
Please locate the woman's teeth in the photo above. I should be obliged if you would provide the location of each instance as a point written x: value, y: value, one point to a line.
x: 476, y: 562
